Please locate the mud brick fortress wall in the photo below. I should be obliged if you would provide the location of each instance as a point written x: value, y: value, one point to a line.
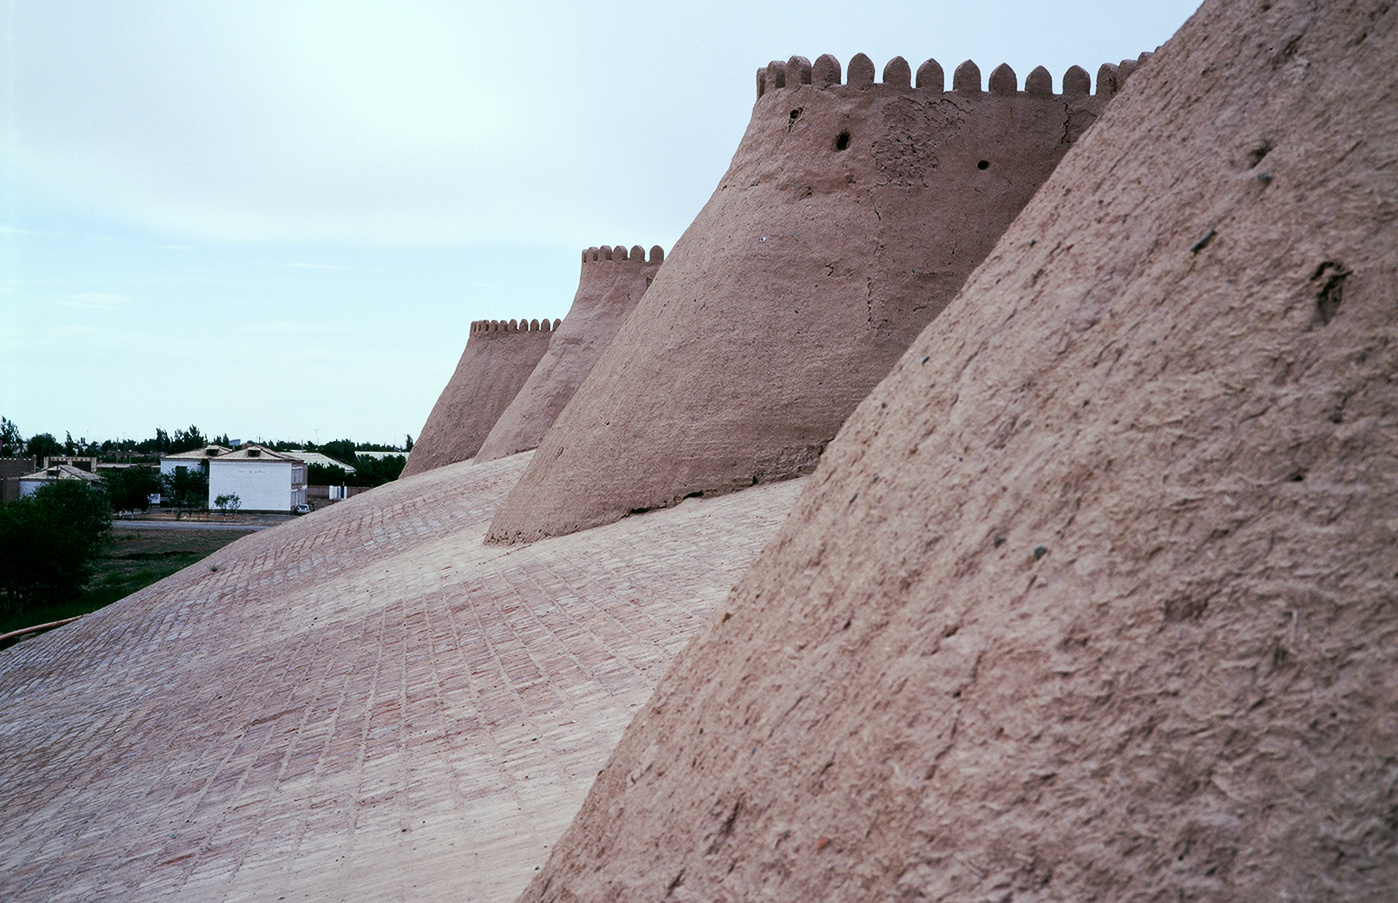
x: 610, y: 285
x: 498, y: 358
x: 1095, y: 597
x: 851, y: 214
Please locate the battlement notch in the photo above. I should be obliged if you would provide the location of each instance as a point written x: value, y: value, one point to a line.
x: 897, y: 73
x: 930, y: 76
x: 1039, y: 83
x: 636, y: 255
x: 482, y: 327
x: 1003, y: 80
x: 861, y: 71
x: 825, y: 73
x: 798, y: 71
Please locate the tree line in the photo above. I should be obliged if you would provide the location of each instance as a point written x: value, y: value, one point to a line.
x: 368, y: 470
x: 49, y: 540
x: 46, y: 445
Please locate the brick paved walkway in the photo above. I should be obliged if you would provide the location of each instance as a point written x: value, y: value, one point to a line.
x: 363, y: 704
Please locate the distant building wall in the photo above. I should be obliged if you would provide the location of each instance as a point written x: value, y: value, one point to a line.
x: 11, y: 469
x: 261, y: 485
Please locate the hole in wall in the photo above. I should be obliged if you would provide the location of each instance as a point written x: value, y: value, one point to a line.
x: 842, y: 142
x: 1258, y: 152
x: 984, y: 164
x: 1331, y: 275
x: 795, y: 115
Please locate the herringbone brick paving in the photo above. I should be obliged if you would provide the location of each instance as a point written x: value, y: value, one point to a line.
x: 366, y: 703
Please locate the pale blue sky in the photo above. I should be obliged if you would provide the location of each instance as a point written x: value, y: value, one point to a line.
x: 278, y: 219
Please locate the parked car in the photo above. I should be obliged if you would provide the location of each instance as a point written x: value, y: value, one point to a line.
x: 302, y: 508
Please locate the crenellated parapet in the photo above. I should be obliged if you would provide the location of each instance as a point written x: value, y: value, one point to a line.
x: 825, y: 73
x: 636, y: 254
x: 610, y: 285
x: 854, y: 208
x: 497, y: 360
x: 487, y: 326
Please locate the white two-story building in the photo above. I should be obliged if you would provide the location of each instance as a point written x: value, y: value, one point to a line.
x: 262, y: 479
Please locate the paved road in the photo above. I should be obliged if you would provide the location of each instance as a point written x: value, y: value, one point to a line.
x: 365, y: 704
x: 186, y: 525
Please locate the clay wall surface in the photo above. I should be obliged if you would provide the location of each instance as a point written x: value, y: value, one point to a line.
x: 850, y: 215
x: 1096, y: 596
x: 499, y: 356
x: 611, y: 284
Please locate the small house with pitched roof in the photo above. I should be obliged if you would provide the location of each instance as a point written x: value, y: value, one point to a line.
x: 31, y: 482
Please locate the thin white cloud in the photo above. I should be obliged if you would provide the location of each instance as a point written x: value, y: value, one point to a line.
x: 296, y: 330
x: 46, y: 233
x: 302, y: 265
x: 93, y: 300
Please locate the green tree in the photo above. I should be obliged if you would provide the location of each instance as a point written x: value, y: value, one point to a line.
x: 186, y: 489
x: 341, y: 450
x: 11, y: 442
x: 377, y: 471
x: 157, y: 445
x: 130, y: 488
x: 48, y: 541
x: 408, y: 444
x: 326, y: 475
x: 228, y: 504
x: 368, y: 471
x: 43, y: 445
x: 187, y: 440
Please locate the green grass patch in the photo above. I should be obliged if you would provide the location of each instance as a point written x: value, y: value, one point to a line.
x: 133, y: 560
